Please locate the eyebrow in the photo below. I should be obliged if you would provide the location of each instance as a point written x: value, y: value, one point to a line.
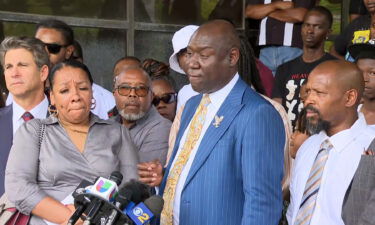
x: 80, y: 82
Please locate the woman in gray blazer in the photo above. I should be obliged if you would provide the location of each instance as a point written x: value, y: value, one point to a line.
x: 75, y: 145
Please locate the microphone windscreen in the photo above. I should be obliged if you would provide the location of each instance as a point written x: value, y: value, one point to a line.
x: 155, y: 204
x: 139, y: 191
x: 117, y: 177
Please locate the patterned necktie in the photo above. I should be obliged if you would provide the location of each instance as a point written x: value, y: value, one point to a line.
x: 310, y: 194
x: 175, y: 172
x: 27, y: 116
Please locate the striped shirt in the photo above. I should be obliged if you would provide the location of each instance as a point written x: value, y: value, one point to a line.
x: 276, y: 32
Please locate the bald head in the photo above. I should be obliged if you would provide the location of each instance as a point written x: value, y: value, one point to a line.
x: 345, y: 74
x: 134, y: 71
x: 221, y: 31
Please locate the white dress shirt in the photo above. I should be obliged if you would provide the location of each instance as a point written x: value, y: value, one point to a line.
x: 104, y: 101
x: 184, y: 95
x: 217, y: 98
x: 342, y: 162
x: 39, y: 111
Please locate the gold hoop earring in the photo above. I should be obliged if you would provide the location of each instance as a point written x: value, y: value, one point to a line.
x: 93, y: 103
x: 52, y: 111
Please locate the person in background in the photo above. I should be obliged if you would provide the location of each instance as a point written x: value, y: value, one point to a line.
x: 26, y: 66
x: 360, y: 30
x: 163, y: 88
x: 76, y: 145
x: 359, y: 202
x: 148, y: 129
x: 326, y: 162
x: 178, y: 61
x: 364, y: 55
x: 280, y: 29
x: 124, y: 63
x: 78, y: 52
x: 300, y: 134
x: 289, y: 77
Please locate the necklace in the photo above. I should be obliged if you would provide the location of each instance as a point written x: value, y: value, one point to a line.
x: 83, y: 130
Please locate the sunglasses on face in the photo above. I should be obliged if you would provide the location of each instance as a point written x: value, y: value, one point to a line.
x: 54, y: 48
x: 140, y: 91
x: 166, y: 98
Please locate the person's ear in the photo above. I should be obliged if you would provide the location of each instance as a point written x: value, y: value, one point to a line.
x: 69, y: 51
x: 234, y: 56
x: 351, y: 97
x: 44, y: 73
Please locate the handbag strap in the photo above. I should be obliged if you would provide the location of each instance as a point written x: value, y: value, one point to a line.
x: 42, y: 128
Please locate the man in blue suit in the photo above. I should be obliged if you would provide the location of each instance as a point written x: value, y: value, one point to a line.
x: 227, y: 163
x: 25, y: 62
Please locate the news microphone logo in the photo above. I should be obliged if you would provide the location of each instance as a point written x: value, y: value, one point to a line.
x: 104, y: 188
x: 140, y: 214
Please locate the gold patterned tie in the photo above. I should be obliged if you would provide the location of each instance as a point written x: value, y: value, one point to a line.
x: 192, y: 137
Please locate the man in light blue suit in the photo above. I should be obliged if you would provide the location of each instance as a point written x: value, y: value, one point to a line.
x: 233, y: 170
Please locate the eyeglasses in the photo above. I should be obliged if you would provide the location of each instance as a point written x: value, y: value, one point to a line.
x: 54, y: 48
x: 166, y: 98
x: 140, y: 91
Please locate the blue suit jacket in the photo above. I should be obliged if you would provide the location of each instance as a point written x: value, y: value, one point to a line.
x: 6, y: 139
x: 236, y: 175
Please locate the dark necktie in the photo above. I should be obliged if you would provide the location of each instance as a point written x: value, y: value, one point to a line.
x: 27, y: 116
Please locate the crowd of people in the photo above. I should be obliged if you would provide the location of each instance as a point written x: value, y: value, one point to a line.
x: 284, y: 139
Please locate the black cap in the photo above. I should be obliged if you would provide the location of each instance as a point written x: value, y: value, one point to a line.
x: 363, y: 51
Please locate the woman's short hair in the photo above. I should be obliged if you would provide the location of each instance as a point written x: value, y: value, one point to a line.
x: 69, y: 63
x: 33, y: 45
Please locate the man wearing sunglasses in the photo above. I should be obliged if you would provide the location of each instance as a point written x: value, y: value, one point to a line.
x: 58, y: 38
x: 148, y: 129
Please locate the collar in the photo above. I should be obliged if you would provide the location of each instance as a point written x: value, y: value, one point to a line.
x: 93, y: 119
x: 39, y: 111
x: 342, y: 139
x: 217, y: 98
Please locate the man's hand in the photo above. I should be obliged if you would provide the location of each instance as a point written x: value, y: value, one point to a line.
x: 150, y: 173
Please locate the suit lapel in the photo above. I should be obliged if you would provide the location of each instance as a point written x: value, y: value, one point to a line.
x: 229, y: 109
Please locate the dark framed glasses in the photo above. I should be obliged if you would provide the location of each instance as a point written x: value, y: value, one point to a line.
x: 166, y: 98
x: 54, y: 48
x: 140, y: 91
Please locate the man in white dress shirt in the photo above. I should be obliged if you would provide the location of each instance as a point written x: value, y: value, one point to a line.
x: 326, y: 162
x: 25, y: 62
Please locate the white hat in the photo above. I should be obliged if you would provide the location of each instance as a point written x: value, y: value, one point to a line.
x: 180, y: 41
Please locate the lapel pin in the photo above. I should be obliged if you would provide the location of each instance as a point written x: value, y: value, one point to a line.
x: 218, y: 121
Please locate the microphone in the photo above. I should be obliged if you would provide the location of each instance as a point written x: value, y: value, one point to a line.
x: 143, y: 212
x: 102, y: 191
x: 133, y: 191
x: 82, y: 205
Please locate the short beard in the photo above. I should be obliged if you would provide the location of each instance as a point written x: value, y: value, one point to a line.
x: 315, y: 125
x: 131, y: 117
